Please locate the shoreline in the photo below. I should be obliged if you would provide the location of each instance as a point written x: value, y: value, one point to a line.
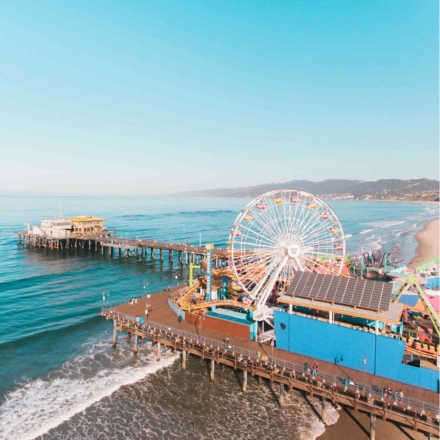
x: 428, y: 240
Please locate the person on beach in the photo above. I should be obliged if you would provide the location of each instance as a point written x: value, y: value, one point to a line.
x: 146, y: 314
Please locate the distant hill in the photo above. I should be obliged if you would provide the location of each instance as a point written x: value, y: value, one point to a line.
x: 384, y: 189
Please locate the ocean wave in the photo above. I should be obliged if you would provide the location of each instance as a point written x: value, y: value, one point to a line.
x: 365, y: 231
x: 47, y: 328
x: 386, y: 223
x: 40, y: 405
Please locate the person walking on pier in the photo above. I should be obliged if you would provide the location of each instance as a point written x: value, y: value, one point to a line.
x: 315, y: 370
x: 146, y: 314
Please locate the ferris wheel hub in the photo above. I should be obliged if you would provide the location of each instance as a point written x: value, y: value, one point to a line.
x: 293, y: 251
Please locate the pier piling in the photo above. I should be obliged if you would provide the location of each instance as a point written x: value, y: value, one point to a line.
x: 115, y: 334
x: 211, y: 375
x: 372, y: 426
x: 281, y: 395
x: 158, y: 352
x: 184, y: 360
x: 135, y: 344
x: 323, y: 413
x: 244, y: 386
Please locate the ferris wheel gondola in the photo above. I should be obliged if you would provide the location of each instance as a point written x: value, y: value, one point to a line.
x: 280, y: 233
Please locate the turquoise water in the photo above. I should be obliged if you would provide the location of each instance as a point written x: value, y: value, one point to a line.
x: 55, y: 351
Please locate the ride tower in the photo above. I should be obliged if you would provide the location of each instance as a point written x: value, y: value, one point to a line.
x: 209, y: 248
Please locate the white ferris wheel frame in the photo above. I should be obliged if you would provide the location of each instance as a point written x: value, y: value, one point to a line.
x: 282, y: 232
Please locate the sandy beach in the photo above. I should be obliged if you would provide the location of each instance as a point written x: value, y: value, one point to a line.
x: 428, y: 243
x: 353, y: 425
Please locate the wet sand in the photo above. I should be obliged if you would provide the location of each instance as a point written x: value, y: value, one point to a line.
x: 353, y: 425
x: 428, y: 243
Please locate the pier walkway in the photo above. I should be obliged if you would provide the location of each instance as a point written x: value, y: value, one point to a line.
x: 112, y: 245
x: 418, y: 409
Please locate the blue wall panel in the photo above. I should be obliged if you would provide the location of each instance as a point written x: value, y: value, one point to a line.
x: 388, y: 351
x: 283, y: 335
x: 320, y: 340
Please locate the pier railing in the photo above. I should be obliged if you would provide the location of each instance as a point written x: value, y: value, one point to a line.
x: 341, y: 384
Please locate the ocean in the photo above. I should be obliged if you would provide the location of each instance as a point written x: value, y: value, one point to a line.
x: 60, y: 378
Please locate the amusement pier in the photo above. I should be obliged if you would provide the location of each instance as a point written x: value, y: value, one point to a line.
x: 63, y: 234
x: 282, y: 303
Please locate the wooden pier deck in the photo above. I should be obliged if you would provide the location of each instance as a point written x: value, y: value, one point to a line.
x: 419, y: 409
x: 107, y: 244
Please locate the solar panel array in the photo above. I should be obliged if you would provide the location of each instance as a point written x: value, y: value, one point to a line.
x: 355, y: 292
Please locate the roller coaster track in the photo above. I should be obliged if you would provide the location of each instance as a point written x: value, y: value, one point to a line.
x: 433, y: 315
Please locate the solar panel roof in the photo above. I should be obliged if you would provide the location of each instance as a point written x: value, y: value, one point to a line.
x: 355, y: 292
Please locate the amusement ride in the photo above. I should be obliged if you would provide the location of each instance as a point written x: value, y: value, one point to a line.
x: 278, y: 234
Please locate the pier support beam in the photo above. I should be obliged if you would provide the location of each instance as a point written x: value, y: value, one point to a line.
x: 211, y: 374
x: 115, y: 334
x: 281, y: 395
x: 323, y: 413
x: 135, y: 344
x: 158, y: 352
x: 372, y: 426
x: 244, y: 386
x: 161, y: 254
x: 184, y: 360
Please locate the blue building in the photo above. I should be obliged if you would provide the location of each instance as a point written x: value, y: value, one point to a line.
x: 351, y: 321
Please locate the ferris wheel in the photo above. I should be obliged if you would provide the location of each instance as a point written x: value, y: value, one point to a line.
x: 280, y: 233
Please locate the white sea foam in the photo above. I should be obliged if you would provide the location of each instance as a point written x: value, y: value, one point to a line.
x: 386, y: 223
x: 365, y: 231
x: 372, y: 237
x: 348, y: 236
x: 318, y: 428
x: 40, y: 405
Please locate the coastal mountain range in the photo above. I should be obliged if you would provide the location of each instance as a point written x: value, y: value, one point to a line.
x: 384, y: 189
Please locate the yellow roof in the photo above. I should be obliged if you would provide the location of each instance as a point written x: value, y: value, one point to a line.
x: 84, y: 218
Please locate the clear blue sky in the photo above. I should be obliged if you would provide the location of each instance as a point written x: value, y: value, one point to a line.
x: 150, y: 97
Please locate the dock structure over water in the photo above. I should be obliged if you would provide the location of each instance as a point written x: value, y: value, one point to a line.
x: 107, y: 244
x: 164, y: 325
